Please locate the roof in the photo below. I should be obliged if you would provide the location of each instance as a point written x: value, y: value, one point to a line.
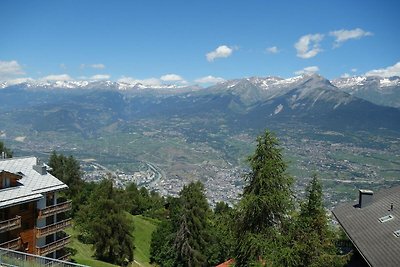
x: 32, y: 183
x: 375, y: 240
x: 228, y: 263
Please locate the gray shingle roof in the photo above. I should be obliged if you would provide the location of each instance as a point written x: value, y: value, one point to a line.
x: 374, y: 240
x: 33, y: 184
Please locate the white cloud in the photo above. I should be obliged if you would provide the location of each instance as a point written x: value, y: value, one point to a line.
x: 63, y: 66
x: 345, y: 75
x: 149, y: 82
x: 222, y: 51
x: 353, y: 70
x: 58, y: 77
x: 273, y: 50
x: 209, y: 79
x: 20, y: 80
x: 308, y: 45
x: 98, y: 66
x: 386, y: 72
x: 171, y: 78
x: 10, y: 68
x: 100, y: 77
x: 307, y: 70
x: 342, y: 36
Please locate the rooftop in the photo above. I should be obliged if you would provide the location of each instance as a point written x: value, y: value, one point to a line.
x: 31, y: 185
x: 372, y: 228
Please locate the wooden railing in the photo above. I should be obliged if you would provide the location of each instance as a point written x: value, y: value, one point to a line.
x: 65, y: 257
x: 10, y: 224
x: 12, y: 244
x: 52, y: 228
x: 56, y: 245
x: 52, y: 210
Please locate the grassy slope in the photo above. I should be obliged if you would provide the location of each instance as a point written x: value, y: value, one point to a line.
x: 144, y: 227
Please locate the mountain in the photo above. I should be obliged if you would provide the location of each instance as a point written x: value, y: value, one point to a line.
x: 378, y: 90
x: 243, y: 103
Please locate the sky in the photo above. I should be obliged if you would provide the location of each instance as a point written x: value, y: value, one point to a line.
x: 196, y: 42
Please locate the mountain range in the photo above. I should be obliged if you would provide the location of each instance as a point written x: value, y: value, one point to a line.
x: 357, y: 103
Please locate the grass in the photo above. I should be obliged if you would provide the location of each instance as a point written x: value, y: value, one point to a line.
x: 144, y: 227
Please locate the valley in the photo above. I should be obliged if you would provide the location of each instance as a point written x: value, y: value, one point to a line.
x: 163, y: 140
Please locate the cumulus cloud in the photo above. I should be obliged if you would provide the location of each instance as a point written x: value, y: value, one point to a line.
x: 307, y: 70
x: 308, y: 45
x: 343, y: 35
x: 20, y: 80
x: 273, y: 50
x: 171, y: 78
x: 100, y: 77
x: 9, y: 69
x: 148, y: 82
x: 386, y: 72
x: 58, y: 77
x: 345, y: 75
x: 222, y: 51
x: 98, y: 66
x: 209, y: 79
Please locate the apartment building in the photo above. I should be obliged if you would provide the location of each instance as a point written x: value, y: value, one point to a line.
x: 32, y: 213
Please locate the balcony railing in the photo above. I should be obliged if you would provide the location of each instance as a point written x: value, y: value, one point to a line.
x: 10, y: 224
x: 52, y: 228
x: 17, y: 258
x: 14, y: 244
x: 54, y: 246
x: 52, y: 210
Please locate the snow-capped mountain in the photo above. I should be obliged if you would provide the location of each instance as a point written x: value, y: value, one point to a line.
x: 379, y: 90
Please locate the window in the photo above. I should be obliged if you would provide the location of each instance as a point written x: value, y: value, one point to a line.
x: 396, y: 233
x: 386, y: 218
x: 6, y: 182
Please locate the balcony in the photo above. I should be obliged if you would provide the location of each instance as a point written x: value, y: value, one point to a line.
x: 10, y: 224
x: 52, y: 210
x: 54, y: 246
x: 14, y: 244
x: 52, y: 228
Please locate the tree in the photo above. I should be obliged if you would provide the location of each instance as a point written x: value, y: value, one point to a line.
x: 106, y: 225
x: 8, y: 153
x: 316, y: 238
x: 265, y: 204
x: 184, y: 239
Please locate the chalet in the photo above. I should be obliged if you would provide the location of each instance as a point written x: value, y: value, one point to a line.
x: 373, y: 225
x: 32, y: 215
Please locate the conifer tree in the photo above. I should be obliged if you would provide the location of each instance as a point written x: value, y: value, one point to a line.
x: 265, y: 204
x: 107, y: 226
x: 313, y: 233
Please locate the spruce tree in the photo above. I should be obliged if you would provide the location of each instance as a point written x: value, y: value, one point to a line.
x: 313, y: 233
x: 107, y: 226
x: 265, y: 204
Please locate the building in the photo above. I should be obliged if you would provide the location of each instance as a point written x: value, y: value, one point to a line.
x: 373, y: 225
x: 32, y: 215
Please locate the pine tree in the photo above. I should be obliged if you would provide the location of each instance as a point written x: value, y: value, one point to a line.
x: 184, y: 238
x: 106, y: 225
x: 192, y: 228
x: 313, y: 233
x: 265, y: 205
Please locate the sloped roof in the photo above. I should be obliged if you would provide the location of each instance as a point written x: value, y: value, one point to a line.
x: 375, y: 240
x: 32, y: 183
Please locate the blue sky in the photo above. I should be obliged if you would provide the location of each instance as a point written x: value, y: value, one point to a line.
x: 196, y: 41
